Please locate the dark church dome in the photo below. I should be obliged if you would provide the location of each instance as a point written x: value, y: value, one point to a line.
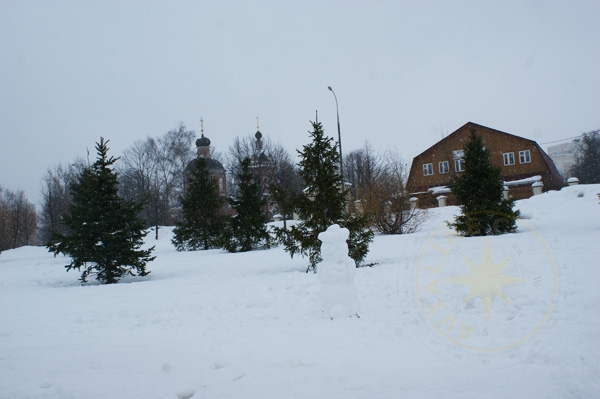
x: 258, y: 135
x: 203, y: 141
x: 212, y: 164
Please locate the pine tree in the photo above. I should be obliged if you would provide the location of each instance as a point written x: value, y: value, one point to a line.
x: 322, y: 204
x: 478, y: 191
x: 587, y: 166
x: 247, y: 229
x: 203, y: 219
x: 105, y: 231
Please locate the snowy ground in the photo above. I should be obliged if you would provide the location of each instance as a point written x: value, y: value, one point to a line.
x: 210, y: 324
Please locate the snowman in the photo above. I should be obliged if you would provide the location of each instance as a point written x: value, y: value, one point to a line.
x: 336, y: 274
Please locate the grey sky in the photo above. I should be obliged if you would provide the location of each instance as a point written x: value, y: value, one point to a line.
x: 405, y: 72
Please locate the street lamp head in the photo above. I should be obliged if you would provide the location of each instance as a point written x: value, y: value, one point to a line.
x: 339, y: 132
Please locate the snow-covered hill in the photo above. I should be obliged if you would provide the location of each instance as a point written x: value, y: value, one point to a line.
x: 210, y: 324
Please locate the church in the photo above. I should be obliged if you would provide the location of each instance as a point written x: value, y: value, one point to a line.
x: 261, y: 167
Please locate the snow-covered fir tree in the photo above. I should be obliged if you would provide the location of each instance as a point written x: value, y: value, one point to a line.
x: 247, y: 230
x: 322, y: 203
x: 479, y: 193
x: 105, y: 232
x: 203, y: 217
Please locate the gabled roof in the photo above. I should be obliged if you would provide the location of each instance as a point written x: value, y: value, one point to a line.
x: 554, y: 176
x: 474, y: 125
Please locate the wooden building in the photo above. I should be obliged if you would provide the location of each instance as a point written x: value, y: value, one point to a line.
x: 521, y: 162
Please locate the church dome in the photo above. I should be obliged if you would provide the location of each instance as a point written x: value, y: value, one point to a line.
x: 215, y: 165
x: 212, y: 164
x: 258, y: 135
x: 203, y: 141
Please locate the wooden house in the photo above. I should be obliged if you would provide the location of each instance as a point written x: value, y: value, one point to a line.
x: 521, y: 162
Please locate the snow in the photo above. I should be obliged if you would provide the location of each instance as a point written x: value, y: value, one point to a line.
x: 439, y: 190
x: 446, y: 190
x: 211, y: 324
x: 521, y: 182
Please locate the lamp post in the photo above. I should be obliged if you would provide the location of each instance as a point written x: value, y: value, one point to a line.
x: 339, y: 136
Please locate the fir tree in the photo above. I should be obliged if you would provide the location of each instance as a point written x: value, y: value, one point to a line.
x: 478, y: 191
x: 322, y: 204
x: 247, y: 229
x: 284, y: 198
x: 203, y: 219
x: 105, y: 231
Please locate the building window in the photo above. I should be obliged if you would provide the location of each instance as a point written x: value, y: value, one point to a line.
x: 509, y: 158
x: 459, y: 165
x: 427, y: 169
x: 443, y: 167
x: 524, y: 156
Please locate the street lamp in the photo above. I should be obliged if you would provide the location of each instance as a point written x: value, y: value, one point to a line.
x: 339, y: 136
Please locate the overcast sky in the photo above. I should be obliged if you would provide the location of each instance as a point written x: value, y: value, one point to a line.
x: 405, y: 73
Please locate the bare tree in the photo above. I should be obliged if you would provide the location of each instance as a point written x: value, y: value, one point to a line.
x: 3, y: 223
x: 152, y: 171
x: 139, y: 182
x: 379, y: 191
x: 285, y: 186
x: 174, y: 153
x: 587, y: 165
x: 261, y: 163
x: 17, y: 220
x: 363, y: 169
x: 397, y: 215
x: 56, y: 198
x: 271, y: 166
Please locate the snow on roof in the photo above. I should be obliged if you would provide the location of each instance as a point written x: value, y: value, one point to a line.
x: 439, y: 190
x: 521, y: 182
